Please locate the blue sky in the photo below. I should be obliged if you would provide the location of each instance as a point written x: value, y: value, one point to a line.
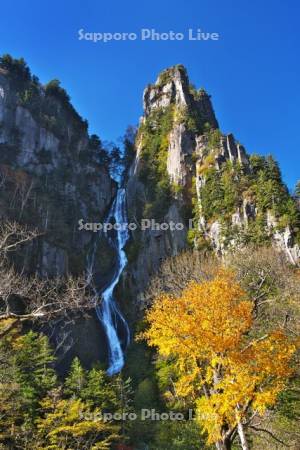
x: 252, y: 71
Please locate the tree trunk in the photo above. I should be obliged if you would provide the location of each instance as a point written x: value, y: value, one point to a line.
x: 242, y: 436
x: 223, y: 445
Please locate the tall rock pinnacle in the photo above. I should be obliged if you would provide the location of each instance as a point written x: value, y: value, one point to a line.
x: 172, y: 87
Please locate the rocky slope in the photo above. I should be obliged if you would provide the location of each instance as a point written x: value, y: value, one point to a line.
x: 185, y: 168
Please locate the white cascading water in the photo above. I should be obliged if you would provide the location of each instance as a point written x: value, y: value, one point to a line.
x: 107, y: 311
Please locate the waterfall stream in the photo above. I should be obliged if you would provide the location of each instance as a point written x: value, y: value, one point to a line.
x: 107, y: 311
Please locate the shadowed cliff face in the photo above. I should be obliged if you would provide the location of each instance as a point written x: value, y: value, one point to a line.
x: 51, y: 174
x: 185, y: 168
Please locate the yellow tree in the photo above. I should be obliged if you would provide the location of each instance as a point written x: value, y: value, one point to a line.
x: 230, y: 376
x: 72, y: 424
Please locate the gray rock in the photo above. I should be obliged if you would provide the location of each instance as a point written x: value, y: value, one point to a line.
x: 54, y: 164
x: 181, y: 146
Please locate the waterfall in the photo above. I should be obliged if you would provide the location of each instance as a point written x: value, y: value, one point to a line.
x: 107, y: 311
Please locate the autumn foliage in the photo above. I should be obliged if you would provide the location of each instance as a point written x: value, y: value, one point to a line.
x: 230, y: 374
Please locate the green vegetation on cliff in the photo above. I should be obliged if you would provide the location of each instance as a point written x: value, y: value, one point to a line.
x: 153, y: 137
x: 43, y: 102
x: 259, y: 186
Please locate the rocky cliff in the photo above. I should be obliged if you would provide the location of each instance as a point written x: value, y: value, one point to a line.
x: 241, y: 199
x: 185, y: 168
x: 52, y: 172
x: 160, y: 177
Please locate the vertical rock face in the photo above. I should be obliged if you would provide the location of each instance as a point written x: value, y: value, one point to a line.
x: 172, y: 89
x: 51, y: 173
x: 170, y: 99
x: 182, y: 156
x: 181, y: 148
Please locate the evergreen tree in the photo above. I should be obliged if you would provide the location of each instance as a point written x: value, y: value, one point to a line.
x: 297, y: 189
x: 34, y: 371
x: 75, y: 380
x: 99, y: 390
x: 26, y: 376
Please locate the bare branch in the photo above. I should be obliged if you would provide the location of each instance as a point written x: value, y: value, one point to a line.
x: 33, y: 298
x: 270, y: 434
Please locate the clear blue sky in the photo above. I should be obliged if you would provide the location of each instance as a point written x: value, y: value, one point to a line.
x: 252, y: 72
